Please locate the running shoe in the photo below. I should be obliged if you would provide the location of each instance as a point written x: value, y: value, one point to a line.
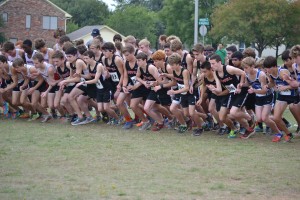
x: 88, y: 120
x: 216, y: 127
x: 248, y: 133
x: 140, y: 124
x: 197, y: 132
x: 232, y: 134
x: 145, y: 126
x: 33, y: 117
x: 78, y: 122
x: 288, y: 137
x: 46, y: 118
x: 157, y: 127
x: 277, y: 137
x: 74, y: 118
x: 24, y: 116
x: 171, y: 124
x: 222, y: 131
x: 182, y: 128
x: 128, y: 125
x: 242, y: 130
x: 105, y: 117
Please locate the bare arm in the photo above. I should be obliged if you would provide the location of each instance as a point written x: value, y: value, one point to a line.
x: 120, y: 66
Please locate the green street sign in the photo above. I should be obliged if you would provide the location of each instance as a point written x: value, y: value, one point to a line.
x: 203, y: 21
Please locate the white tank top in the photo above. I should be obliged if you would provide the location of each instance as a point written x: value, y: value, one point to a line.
x: 57, y: 47
x: 9, y: 67
x: 29, y: 61
x: 46, y: 56
x: 44, y: 73
x: 19, y: 75
x: 10, y: 58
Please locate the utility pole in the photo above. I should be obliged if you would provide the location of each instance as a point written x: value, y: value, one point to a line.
x: 196, y: 21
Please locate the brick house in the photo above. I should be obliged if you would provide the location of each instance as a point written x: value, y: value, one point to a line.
x: 30, y: 19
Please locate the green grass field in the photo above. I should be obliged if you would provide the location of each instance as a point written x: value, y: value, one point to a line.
x: 97, y: 161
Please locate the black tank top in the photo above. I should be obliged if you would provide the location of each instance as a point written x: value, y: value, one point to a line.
x: 208, y: 82
x: 228, y: 80
x: 199, y: 64
x: 93, y: 71
x: 150, y: 61
x: 100, y: 59
x: 164, y: 70
x: 65, y: 73
x: 179, y: 79
x: 131, y: 72
x: 136, y: 52
x: 113, y: 70
x: 183, y: 61
x: 146, y: 76
x: 103, y: 84
x: 73, y: 66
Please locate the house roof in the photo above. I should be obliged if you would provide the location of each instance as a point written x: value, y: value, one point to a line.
x: 67, y: 15
x: 88, y: 30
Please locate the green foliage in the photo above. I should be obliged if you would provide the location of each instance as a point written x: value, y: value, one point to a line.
x: 258, y: 21
x: 71, y: 26
x: 178, y: 17
x: 134, y: 20
x: 85, y: 12
x: 154, y: 5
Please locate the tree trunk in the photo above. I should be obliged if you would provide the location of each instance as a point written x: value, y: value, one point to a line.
x: 260, y: 50
x: 277, y: 49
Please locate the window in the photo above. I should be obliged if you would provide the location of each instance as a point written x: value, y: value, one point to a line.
x: 28, y: 21
x: 5, y: 17
x: 49, y: 22
x: 13, y: 40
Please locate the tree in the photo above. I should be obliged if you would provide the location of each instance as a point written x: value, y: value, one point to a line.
x: 85, y: 12
x: 178, y: 17
x: 258, y: 21
x: 134, y: 20
x: 71, y: 26
x: 153, y: 5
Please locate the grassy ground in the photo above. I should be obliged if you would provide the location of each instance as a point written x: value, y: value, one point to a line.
x: 97, y: 161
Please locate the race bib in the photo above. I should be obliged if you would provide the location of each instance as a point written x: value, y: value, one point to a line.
x: 99, y: 85
x: 231, y: 88
x: 81, y: 80
x: 285, y: 92
x: 133, y: 79
x: 114, y: 76
x: 180, y: 86
x: 260, y: 95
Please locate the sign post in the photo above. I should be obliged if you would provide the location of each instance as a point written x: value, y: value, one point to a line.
x: 203, y: 31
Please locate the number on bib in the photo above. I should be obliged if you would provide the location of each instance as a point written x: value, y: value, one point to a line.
x: 133, y: 79
x: 114, y: 76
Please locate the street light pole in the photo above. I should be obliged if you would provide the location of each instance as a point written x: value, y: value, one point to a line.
x: 196, y: 21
